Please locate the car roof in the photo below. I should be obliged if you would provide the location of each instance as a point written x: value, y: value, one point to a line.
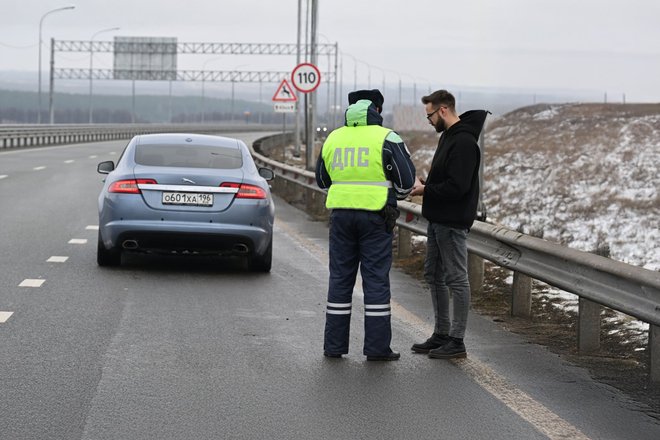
x: 187, y: 139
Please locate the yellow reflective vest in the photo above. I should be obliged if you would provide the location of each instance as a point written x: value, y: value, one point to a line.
x: 353, y: 157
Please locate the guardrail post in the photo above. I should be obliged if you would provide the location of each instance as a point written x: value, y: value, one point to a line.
x: 521, y: 295
x: 654, y: 353
x: 316, y: 204
x: 404, y: 242
x: 588, y: 326
x: 475, y: 272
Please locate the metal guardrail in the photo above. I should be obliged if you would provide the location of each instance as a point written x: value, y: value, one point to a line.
x: 629, y: 289
x: 15, y: 136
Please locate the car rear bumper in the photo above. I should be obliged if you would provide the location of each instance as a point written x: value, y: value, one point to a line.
x: 207, y: 238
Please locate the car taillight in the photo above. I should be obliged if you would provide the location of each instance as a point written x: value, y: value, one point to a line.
x: 129, y: 186
x: 246, y: 191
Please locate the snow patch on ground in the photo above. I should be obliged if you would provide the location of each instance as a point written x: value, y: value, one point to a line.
x: 584, y: 176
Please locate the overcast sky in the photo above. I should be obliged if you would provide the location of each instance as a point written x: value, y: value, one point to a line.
x: 605, y: 46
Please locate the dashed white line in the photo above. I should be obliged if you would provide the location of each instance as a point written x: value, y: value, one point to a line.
x: 4, y: 316
x: 39, y: 168
x: 92, y: 228
x: 3, y: 176
x: 78, y: 241
x: 31, y: 283
x: 69, y: 161
x: 93, y: 156
x: 57, y: 259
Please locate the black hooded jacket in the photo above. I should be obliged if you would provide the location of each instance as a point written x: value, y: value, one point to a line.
x: 451, y: 193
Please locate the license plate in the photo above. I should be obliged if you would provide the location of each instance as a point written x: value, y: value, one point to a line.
x: 184, y: 198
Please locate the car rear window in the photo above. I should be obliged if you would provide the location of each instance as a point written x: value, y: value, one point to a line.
x: 189, y: 156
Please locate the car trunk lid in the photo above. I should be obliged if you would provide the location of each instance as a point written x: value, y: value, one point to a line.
x: 188, y: 189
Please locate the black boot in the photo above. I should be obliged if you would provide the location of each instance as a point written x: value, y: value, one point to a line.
x: 455, y: 348
x: 434, y: 341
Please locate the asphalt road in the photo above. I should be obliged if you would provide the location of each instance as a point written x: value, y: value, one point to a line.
x: 191, y: 348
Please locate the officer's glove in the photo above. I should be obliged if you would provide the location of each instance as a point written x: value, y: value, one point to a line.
x: 390, y: 214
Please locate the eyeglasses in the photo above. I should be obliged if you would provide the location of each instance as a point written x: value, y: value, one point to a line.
x: 429, y: 115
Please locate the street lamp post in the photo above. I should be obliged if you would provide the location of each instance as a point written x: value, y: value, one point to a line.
x: 41, y: 21
x: 91, y: 64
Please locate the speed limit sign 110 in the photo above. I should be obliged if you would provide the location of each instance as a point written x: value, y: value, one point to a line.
x: 306, y: 77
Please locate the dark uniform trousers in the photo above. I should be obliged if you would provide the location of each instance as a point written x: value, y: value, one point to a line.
x: 359, y: 238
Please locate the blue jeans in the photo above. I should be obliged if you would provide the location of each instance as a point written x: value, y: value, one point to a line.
x: 359, y: 239
x: 445, y: 270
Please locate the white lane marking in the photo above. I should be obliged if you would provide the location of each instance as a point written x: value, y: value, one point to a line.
x: 92, y: 227
x: 31, y: 283
x: 4, y: 316
x: 3, y: 176
x: 78, y: 241
x: 536, y: 414
x: 39, y: 168
x: 69, y: 161
x: 113, y: 153
x: 93, y: 156
x: 57, y: 259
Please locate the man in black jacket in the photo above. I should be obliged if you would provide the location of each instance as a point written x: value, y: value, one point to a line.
x: 451, y: 195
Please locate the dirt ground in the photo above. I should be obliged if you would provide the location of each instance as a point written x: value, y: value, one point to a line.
x: 622, y: 361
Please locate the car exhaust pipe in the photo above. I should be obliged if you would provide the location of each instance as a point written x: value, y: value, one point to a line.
x: 241, y: 248
x: 130, y: 244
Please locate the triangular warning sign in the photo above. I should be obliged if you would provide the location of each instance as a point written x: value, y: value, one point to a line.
x: 284, y: 93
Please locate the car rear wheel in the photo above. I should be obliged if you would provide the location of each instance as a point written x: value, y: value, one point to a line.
x: 107, y: 257
x: 263, y: 262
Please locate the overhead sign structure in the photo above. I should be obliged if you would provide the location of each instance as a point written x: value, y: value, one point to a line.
x: 145, y: 58
x: 306, y: 77
x: 284, y: 93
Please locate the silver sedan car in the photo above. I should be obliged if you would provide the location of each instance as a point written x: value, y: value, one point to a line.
x: 186, y: 194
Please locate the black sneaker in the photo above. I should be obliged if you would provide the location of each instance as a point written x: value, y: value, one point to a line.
x: 455, y: 348
x: 435, y: 341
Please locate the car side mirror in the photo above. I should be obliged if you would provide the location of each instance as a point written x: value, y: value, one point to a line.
x: 105, y: 167
x: 266, y: 173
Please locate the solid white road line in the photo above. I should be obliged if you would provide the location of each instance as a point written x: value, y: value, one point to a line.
x: 4, y: 316
x: 31, y: 283
x: 78, y: 241
x: 539, y: 416
x: 56, y: 259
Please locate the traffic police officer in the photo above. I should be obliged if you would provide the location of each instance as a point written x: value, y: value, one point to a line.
x: 366, y: 168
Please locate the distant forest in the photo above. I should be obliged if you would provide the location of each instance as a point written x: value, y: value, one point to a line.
x: 18, y: 107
